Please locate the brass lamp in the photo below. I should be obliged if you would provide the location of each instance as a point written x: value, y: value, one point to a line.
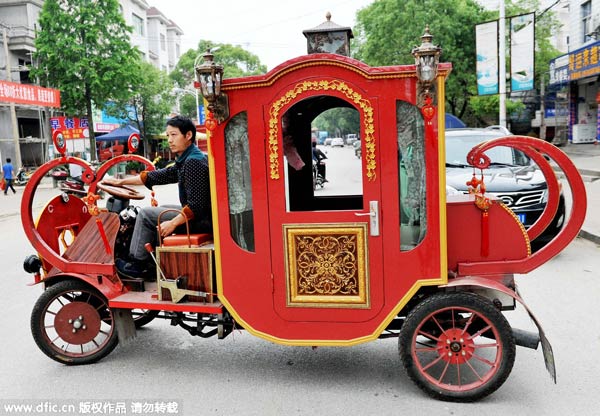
x: 427, y: 57
x: 209, y: 76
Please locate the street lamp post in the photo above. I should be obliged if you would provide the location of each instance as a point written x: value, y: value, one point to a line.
x: 178, y: 92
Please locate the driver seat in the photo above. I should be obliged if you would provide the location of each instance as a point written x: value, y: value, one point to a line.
x: 190, y: 240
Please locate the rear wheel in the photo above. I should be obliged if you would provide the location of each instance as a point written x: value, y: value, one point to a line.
x: 72, y: 323
x: 457, y: 346
x: 143, y: 317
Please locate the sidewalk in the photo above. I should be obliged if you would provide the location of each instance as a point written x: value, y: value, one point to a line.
x: 586, y: 157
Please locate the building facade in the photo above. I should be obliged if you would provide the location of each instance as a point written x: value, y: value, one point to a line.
x: 157, y: 38
x: 574, y: 77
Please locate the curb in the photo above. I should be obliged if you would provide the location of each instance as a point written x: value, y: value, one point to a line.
x: 589, y: 236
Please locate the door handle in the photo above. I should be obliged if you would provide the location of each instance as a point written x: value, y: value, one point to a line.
x: 374, y: 217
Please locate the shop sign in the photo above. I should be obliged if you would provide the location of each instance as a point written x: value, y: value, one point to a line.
x: 584, y: 62
x: 12, y: 92
x: 559, y: 70
x: 71, y: 127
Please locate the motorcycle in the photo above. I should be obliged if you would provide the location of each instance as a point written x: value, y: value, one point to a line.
x: 22, y: 177
x: 59, y: 174
x: 319, y: 174
x: 73, y: 186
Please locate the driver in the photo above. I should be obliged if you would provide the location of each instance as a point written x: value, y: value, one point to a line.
x: 190, y: 171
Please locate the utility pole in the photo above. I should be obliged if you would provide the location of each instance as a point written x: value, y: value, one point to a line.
x: 13, y: 110
x: 543, y: 109
x: 502, y: 64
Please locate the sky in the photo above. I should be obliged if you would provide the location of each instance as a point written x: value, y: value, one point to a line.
x: 271, y: 29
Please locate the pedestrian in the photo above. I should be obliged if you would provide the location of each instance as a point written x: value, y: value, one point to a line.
x: 190, y: 171
x: 8, y: 173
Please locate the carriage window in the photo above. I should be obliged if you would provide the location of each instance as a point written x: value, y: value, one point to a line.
x: 237, y: 153
x: 411, y: 168
x: 323, y: 168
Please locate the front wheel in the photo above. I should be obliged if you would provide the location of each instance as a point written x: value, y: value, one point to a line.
x: 72, y: 323
x: 457, y: 346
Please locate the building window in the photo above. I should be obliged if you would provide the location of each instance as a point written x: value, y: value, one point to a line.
x: 24, y: 71
x: 138, y: 24
x: 177, y: 51
x: 586, y: 21
x: 163, y: 42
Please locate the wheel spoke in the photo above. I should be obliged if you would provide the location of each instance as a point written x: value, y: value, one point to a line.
x: 494, y: 344
x: 443, y: 372
x: 428, y: 336
x: 468, y: 324
x: 434, y: 362
x: 483, y: 360
x: 474, y: 370
x: 481, y: 331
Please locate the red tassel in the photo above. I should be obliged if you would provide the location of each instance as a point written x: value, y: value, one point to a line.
x: 485, y: 233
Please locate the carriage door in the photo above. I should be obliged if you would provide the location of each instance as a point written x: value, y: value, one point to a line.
x: 326, y: 241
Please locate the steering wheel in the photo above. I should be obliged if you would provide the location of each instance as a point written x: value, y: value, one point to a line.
x: 121, y: 191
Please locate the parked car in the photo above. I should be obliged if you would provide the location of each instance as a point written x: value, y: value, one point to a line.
x: 512, y: 176
x: 337, y: 141
x: 327, y: 141
x: 351, y: 138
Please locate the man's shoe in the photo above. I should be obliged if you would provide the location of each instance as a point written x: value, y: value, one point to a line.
x: 135, y: 269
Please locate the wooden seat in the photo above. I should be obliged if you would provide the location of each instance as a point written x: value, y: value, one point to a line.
x: 194, y: 240
x: 89, y: 246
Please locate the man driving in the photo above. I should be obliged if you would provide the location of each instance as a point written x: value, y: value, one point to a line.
x: 190, y: 171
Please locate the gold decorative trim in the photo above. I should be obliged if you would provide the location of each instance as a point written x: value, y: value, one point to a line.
x: 336, y: 85
x: 523, y: 230
x: 327, y: 265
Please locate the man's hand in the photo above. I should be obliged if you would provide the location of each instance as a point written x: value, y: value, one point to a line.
x: 112, y: 181
x: 167, y: 228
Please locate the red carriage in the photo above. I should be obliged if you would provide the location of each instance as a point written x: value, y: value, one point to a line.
x: 391, y: 257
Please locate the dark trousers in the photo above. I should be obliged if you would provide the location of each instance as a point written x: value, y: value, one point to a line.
x: 9, y: 184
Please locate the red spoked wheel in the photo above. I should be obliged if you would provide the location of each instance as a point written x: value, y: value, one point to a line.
x: 457, y: 346
x: 72, y: 323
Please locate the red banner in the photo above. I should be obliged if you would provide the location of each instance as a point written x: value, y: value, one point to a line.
x: 12, y: 92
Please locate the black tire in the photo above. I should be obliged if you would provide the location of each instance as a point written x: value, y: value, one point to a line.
x: 143, y: 317
x: 72, y: 323
x: 446, y: 364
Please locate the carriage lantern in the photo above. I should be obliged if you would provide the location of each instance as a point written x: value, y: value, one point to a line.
x: 209, y: 76
x: 426, y: 60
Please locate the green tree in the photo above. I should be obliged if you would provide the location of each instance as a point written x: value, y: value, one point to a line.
x: 236, y: 61
x: 149, y: 103
x: 338, y: 121
x: 387, y: 30
x: 83, y: 50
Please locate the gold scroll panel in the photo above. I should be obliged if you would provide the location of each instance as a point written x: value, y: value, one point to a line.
x: 327, y: 265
